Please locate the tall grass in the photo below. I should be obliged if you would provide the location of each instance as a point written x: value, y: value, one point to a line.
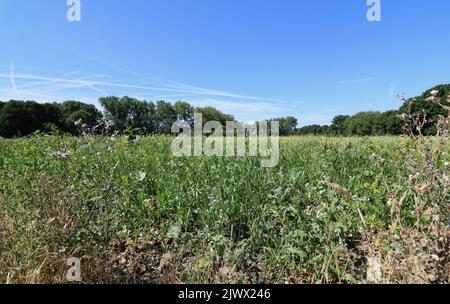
x: 132, y: 212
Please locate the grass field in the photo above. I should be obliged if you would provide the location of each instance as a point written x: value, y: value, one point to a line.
x: 334, y: 210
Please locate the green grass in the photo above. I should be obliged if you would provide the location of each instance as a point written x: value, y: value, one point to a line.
x: 134, y: 213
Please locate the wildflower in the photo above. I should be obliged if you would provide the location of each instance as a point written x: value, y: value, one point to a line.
x: 212, y: 200
x: 149, y: 203
x: 142, y: 176
x: 412, y: 178
x: 434, y: 92
x: 114, y: 135
x: 374, y: 270
x: 62, y: 155
x: 432, y: 99
x: 78, y: 123
x: 446, y: 178
x: 377, y: 159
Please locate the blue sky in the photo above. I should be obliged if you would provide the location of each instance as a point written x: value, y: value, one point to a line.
x: 255, y: 59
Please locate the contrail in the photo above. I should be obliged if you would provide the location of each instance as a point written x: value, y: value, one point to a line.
x: 179, y: 89
x: 98, y: 90
x: 37, y: 84
x: 67, y: 86
x: 87, y: 83
x: 11, y: 77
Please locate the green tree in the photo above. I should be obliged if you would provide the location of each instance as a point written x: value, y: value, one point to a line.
x: 392, y: 124
x: 184, y: 111
x: 338, y: 125
x: 20, y: 118
x: 165, y: 117
x: 129, y: 113
x: 314, y: 130
x: 429, y: 104
x: 288, y: 125
x: 72, y: 111
x: 212, y: 114
x: 364, y: 124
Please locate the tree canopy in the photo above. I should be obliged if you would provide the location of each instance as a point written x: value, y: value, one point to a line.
x: 212, y: 114
x: 288, y: 125
x: 126, y: 114
x: 427, y: 107
x: 72, y: 111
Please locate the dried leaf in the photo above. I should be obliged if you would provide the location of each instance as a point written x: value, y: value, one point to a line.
x: 165, y: 261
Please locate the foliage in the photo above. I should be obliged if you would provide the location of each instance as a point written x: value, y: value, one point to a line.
x: 165, y: 117
x: 125, y: 113
x: 338, y: 125
x: 212, y: 114
x: 73, y: 111
x: 288, y: 125
x: 185, y: 112
x: 134, y: 213
x: 18, y: 118
x: 428, y: 106
x: 314, y: 130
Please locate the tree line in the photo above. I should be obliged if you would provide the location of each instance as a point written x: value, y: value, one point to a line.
x: 360, y: 124
x: 126, y: 114
x: 21, y: 118
x: 427, y: 107
x: 123, y: 115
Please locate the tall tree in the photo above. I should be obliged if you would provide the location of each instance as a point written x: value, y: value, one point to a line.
x: 165, y: 117
x: 363, y: 124
x: 184, y: 111
x: 429, y: 105
x: 392, y: 124
x: 212, y: 114
x: 337, y: 126
x: 288, y: 125
x: 72, y: 111
x: 314, y: 130
x: 129, y: 113
x: 19, y: 118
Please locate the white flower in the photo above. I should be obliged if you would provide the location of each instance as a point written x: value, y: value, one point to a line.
x: 62, y: 155
x: 434, y: 92
x: 142, y: 176
x: 374, y: 270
